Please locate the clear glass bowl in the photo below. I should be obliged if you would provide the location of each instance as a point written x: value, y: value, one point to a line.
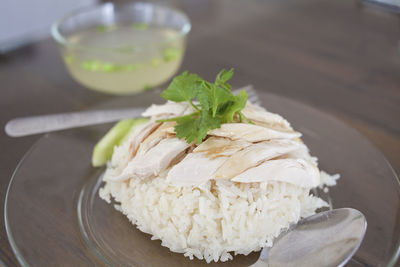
x: 53, y: 213
x: 122, y: 48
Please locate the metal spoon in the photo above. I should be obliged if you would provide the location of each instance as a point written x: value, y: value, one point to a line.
x: 325, y: 239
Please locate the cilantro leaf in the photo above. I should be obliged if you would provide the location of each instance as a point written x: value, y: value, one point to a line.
x: 234, y: 106
x: 217, y: 104
x: 222, y: 77
x: 194, y: 128
x: 182, y: 88
x: 212, y: 96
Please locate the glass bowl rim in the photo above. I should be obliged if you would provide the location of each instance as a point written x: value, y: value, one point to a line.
x: 62, y: 40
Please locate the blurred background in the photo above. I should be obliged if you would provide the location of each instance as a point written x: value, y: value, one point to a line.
x: 24, y: 21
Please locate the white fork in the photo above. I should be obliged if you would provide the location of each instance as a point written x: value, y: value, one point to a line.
x: 48, y: 123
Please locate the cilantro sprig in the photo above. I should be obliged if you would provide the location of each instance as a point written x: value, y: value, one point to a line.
x: 214, y: 104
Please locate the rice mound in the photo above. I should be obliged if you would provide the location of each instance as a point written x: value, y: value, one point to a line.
x: 213, y: 221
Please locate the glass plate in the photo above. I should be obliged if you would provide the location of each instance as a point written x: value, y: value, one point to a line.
x: 54, y: 216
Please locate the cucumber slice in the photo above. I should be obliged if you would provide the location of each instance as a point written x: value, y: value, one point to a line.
x: 103, y: 150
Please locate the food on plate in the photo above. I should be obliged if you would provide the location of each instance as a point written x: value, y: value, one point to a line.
x: 103, y: 150
x: 210, y: 174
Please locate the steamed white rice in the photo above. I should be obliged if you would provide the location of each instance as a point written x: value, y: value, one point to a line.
x: 214, y: 221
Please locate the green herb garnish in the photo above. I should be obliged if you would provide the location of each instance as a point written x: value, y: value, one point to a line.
x: 214, y: 104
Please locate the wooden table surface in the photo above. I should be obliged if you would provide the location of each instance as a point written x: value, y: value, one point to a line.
x: 337, y: 56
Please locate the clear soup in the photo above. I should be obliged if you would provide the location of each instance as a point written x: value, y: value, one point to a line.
x: 124, y: 59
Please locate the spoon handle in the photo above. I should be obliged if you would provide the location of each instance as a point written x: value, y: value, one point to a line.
x: 48, y: 123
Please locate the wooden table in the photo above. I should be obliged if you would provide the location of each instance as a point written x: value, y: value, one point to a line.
x: 333, y: 55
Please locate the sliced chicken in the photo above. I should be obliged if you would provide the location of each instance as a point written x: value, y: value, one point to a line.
x: 194, y: 169
x: 268, y: 150
x: 259, y: 114
x: 251, y: 132
x: 155, y: 137
x: 200, y: 165
x: 169, y: 109
x: 154, y: 160
x: 302, y: 153
x: 219, y: 146
x: 294, y: 171
x: 253, y: 155
x: 139, y: 135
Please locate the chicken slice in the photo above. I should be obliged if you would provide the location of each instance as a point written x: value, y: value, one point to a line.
x: 154, y: 160
x: 253, y: 155
x: 294, y: 171
x: 139, y: 135
x: 251, y: 132
x: 303, y: 153
x: 194, y: 169
x: 200, y: 165
x: 219, y: 146
x: 169, y: 109
x: 155, y: 137
x: 259, y: 114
